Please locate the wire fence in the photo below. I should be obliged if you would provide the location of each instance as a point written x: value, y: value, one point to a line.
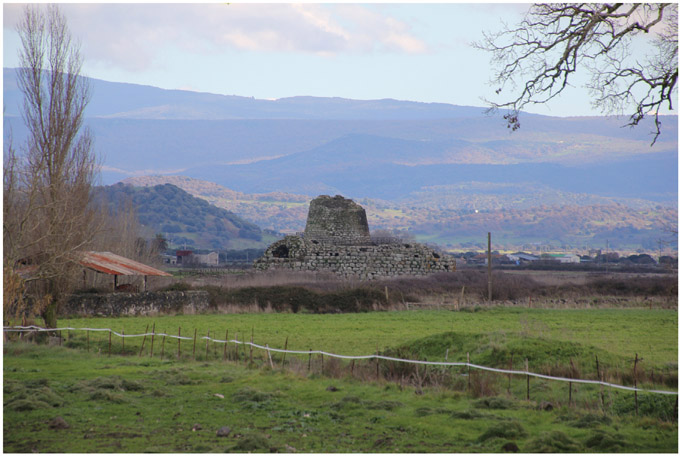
x: 376, y: 356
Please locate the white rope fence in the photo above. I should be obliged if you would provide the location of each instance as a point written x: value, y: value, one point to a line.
x: 349, y: 357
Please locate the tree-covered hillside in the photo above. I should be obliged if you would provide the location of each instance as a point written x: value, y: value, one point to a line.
x: 183, y: 218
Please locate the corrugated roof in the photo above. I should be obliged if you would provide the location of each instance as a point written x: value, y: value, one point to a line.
x: 110, y: 263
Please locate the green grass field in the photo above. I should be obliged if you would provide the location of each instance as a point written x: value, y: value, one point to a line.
x: 620, y: 332
x: 139, y: 403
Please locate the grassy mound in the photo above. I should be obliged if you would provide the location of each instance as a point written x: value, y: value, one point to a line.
x: 495, y: 349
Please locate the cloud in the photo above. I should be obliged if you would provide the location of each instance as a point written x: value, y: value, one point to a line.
x: 131, y: 35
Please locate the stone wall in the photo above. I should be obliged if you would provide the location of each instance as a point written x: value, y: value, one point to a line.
x: 354, y: 261
x: 132, y: 304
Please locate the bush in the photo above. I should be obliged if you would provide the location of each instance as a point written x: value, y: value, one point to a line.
x: 296, y: 299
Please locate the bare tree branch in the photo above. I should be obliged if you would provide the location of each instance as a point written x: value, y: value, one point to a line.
x: 537, y: 59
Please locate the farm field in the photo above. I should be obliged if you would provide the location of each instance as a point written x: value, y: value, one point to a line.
x: 620, y: 332
x: 140, y: 403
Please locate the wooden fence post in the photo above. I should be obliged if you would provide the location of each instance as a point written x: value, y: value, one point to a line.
x: 109, y: 343
x: 468, y: 360
x: 283, y: 359
x: 224, y: 350
x: 251, y: 351
x: 194, y: 347
x: 269, y: 355
x: 88, y: 339
x: 179, y: 340
x: 207, y: 341
x: 377, y: 374
x: 352, y: 368
x: 309, y: 361
x: 636, y: 360
x: 527, y: 369
x: 163, y: 346
x: 236, y: 346
x: 572, y: 367
x: 510, y: 367
x: 322, y: 369
x: 153, y: 333
x: 123, y: 342
x: 144, y: 339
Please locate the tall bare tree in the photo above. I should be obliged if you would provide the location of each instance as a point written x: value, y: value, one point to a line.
x: 536, y: 60
x: 47, y: 182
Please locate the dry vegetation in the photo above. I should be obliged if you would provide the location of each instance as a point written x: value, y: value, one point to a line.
x: 321, y: 292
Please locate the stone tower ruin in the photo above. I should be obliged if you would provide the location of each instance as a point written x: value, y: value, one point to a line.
x: 336, y: 218
x: 337, y: 239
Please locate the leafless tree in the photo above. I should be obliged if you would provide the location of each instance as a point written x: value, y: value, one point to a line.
x: 537, y: 59
x: 47, y: 182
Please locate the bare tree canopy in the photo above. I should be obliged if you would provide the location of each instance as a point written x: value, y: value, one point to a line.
x: 47, y: 182
x: 537, y: 59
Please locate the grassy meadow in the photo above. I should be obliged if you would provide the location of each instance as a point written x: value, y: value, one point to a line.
x: 132, y: 401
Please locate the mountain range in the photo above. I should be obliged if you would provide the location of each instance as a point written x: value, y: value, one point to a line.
x: 396, y: 154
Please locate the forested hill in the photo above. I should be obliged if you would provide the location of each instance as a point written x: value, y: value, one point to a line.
x: 183, y: 218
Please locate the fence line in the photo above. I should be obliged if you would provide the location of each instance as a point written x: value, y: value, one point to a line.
x: 351, y: 357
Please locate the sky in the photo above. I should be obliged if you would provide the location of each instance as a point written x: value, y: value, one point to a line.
x: 405, y: 51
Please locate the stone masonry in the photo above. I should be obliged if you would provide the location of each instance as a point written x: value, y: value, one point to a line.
x: 337, y: 239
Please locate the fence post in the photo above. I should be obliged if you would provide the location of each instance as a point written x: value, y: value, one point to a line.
x: 636, y: 360
x: 468, y: 365
x: 123, y: 342
x: 283, y: 359
x: 179, y: 340
x: 377, y: 373
x: 163, y: 346
x: 269, y: 355
x: 144, y: 339
x: 510, y: 367
x: 309, y: 361
x: 207, y: 341
x: 572, y: 374
x: 352, y: 368
x: 527, y: 369
x: 109, y: 343
x: 88, y: 339
x: 322, y: 369
x: 251, y: 351
x: 194, y: 347
x: 224, y: 350
x: 236, y: 346
x: 153, y: 333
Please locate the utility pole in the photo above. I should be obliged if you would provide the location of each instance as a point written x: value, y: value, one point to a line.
x: 606, y: 255
x: 489, y: 266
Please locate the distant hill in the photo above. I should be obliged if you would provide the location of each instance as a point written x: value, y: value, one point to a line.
x: 419, y: 166
x: 183, y: 218
x: 458, y: 216
x: 388, y: 168
x: 142, y: 130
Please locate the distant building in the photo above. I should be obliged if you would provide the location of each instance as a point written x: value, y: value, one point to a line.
x: 563, y: 257
x: 522, y: 258
x: 183, y: 256
x: 187, y: 257
x: 169, y: 259
x: 207, y: 259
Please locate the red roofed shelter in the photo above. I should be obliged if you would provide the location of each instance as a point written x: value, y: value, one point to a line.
x: 112, y: 264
